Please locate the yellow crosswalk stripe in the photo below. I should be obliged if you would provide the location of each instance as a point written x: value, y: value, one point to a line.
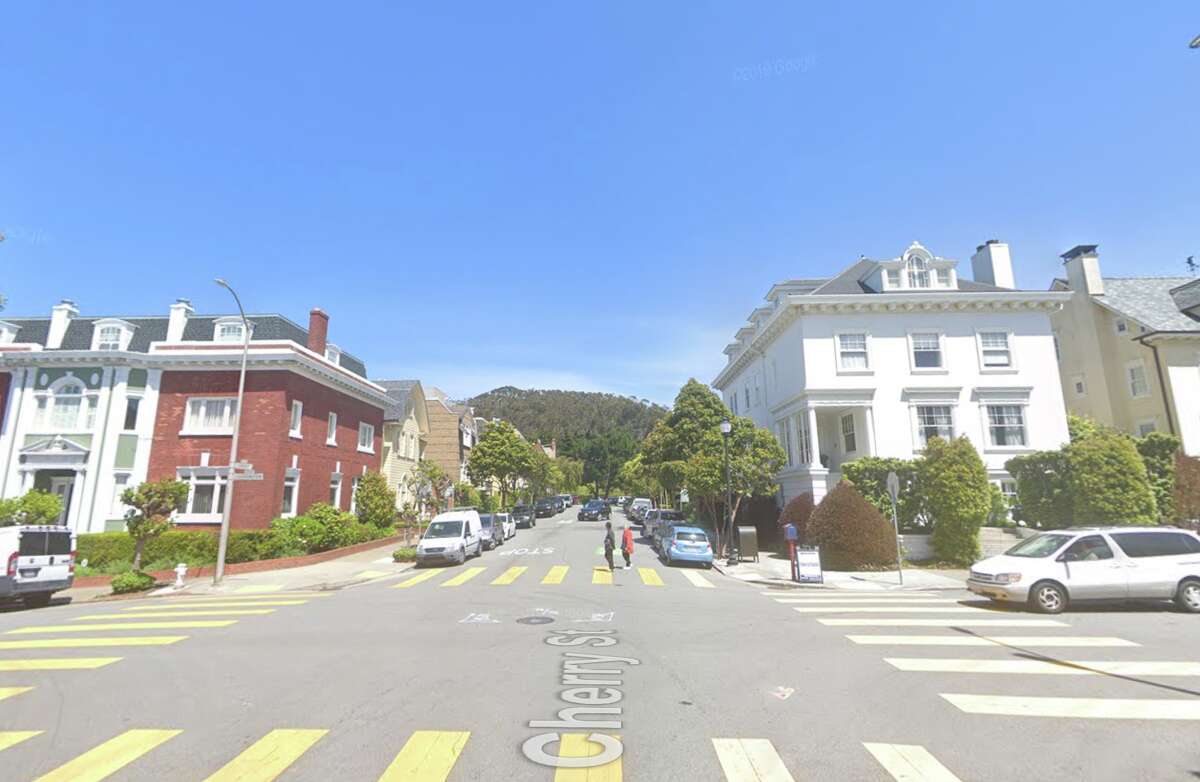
x: 463, y: 577
x: 110, y: 757
x: 1083, y: 708
x: 372, y: 574
x: 87, y: 628
x: 87, y: 643
x: 601, y: 575
x: 297, y: 595
x: 270, y: 756
x: 556, y: 575
x: 650, y: 577
x: 881, y: 601
x: 166, y: 614
x: 508, y: 576
x: 417, y: 579
x: 856, y: 609
x: 576, y: 745
x: 697, y: 579
x: 837, y: 594
x: 260, y: 588
x: 910, y: 763
x: 750, y: 760
x: 10, y: 692
x: 1064, y: 668
x: 11, y: 738
x: 57, y: 663
x: 180, y: 605
x: 427, y: 756
x: 1030, y: 641
x: 889, y: 622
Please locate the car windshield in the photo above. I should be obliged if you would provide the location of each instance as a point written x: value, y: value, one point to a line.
x: 698, y: 537
x: 593, y: 505
x: 520, y: 509
x: 444, y: 529
x: 672, y: 515
x: 1039, y: 546
x: 486, y: 521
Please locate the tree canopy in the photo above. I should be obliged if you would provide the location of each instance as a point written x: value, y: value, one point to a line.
x: 565, y: 416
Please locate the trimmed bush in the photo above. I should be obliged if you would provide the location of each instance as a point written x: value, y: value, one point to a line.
x: 1109, y: 481
x: 374, y: 502
x: 101, y: 549
x: 957, y: 497
x: 798, y: 511
x: 406, y: 554
x: 133, y: 581
x: 249, y: 545
x: 869, y: 476
x: 852, y: 533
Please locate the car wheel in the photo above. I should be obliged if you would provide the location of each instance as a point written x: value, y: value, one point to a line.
x: 1188, y: 596
x: 1047, y: 597
x: 37, y: 599
x: 708, y: 566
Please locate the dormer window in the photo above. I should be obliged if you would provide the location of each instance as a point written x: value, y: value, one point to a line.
x: 943, y: 278
x: 111, y: 335
x: 229, y: 330
x: 8, y: 333
x: 893, y: 278
x: 918, y: 272
x: 333, y: 355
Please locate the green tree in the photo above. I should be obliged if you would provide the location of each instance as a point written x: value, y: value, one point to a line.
x: 1081, y: 427
x: 603, y: 456
x: 637, y: 479
x: 466, y: 495
x: 1158, y: 452
x: 755, y: 458
x: 374, y: 501
x: 501, y: 456
x: 954, y: 481
x: 1044, y: 490
x: 429, y: 483
x: 152, y: 503
x: 542, y: 476
x: 1109, y: 484
x: 33, y: 507
x: 572, y: 473
x: 869, y: 476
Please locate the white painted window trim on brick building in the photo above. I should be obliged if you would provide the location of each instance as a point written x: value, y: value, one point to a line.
x: 366, y: 434
x: 111, y: 334
x: 331, y: 429
x: 194, y: 414
x: 291, y: 480
x: 229, y: 330
x: 215, y: 477
x: 296, y: 423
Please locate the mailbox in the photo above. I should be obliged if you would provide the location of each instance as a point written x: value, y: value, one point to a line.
x: 747, y: 543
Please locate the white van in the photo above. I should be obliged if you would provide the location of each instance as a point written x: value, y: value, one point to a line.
x: 451, y: 537
x: 38, y: 561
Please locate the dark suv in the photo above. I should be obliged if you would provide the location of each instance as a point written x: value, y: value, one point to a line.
x: 524, y: 516
x: 546, y: 508
x: 594, y: 510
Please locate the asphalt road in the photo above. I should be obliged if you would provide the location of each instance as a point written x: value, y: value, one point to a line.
x: 445, y: 675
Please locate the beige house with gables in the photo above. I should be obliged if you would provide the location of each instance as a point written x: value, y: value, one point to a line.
x: 405, y: 435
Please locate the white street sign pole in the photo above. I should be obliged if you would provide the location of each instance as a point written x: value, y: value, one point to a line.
x: 893, y: 487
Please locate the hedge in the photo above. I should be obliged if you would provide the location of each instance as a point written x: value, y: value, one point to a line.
x: 106, y: 548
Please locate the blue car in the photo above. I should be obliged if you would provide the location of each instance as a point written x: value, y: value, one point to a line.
x: 687, y: 544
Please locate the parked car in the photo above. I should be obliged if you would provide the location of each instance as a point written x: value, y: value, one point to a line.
x: 507, y: 524
x: 662, y: 524
x: 451, y: 537
x: 638, y: 506
x: 687, y: 544
x: 492, y: 532
x: 567, y: 499
x: 39, y: 561
x: 1053, y: 569
x: 594, y: 510
x: 524, y: 516
x: 545, y: 508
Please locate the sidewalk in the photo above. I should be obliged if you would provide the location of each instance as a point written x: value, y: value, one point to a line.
x: 775, y: 570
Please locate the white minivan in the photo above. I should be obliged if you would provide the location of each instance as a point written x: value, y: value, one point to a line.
x: 1094, y: 563
x: 38, y: 561
x: 451, y: 537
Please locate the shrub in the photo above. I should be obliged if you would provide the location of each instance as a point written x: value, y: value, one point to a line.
x: 466, y: 495
x: 797, y: 511
x: 957, y: 497
x: 102, y: 549
x: 374, y: 502
x: 153, y: 504
x: 132, y: 581
x: 1043, y: 489
x: 1187, y: 490
x: 869, y: 476
x: 1158, y: 453
x: 1109, y: 484
x: 33, y: 507
x: 249, y: 545
x: 998, y: 512
x: 852, y: 533
x: 406, y: 554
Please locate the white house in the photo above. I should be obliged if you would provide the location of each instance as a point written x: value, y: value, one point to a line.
x: 886, y: 354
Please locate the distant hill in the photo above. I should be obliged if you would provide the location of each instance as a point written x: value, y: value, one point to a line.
x: 567, y: 415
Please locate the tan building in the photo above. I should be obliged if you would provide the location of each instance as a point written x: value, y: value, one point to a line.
x: 1129, y: 349
x: 405, y: 436
x: 452, y: 433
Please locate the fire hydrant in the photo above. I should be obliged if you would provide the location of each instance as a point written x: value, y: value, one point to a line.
x: 180, y: 573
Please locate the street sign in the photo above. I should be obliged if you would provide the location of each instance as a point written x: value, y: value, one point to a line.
x: 893, y: 485
x: 683, y: 497
x: 247, y: 476
x: 808, y: 565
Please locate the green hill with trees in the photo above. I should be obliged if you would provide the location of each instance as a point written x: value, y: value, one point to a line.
x: 567, y: 415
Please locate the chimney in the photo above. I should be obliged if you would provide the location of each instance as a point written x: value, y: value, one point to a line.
x: 992, y: 264
x: 181, y: 310
x: 1083, y: 269
x: 318, y: 330
x: 60, y: 317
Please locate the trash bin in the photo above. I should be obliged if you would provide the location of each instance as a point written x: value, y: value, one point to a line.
x: 747, y: 543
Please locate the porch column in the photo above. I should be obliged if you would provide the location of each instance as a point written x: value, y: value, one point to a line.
x: 870, y: 416
x: 814, y: 440
x: 76, y: 503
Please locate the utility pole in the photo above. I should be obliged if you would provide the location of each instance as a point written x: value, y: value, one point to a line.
x: 223, y: 544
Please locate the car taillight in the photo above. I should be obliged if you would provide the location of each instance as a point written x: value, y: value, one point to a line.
x: 12, y: 565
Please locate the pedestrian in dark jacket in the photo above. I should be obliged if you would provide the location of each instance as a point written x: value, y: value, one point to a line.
x: 609, y: 544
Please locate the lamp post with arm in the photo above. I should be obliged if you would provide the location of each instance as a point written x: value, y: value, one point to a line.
x: 227, y: 508
x: 726, y: 429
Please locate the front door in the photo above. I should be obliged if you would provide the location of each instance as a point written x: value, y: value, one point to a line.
x: 62, y: 488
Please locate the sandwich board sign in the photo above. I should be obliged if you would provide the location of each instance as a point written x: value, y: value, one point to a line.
x: 808, y: 565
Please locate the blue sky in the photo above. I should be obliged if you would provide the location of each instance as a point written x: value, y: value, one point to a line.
x: 561, y: 195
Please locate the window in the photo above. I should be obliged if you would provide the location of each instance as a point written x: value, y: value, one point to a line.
x: 1088, y: 549
x: 943, y: 278
x: 210, y: 415
x: 934, y: 421
x: 8, y: 333
x: 131, y: 412
x: 335, y: 490
x: 852, y: 352
x: 331, y: 430
x: 229, y: 330
x: 927, y: 351
x: 1079, y: 385
x: 1009, y: 490
x: 918, y: 272
x: 297, y: 419
x: 1006, y: 425
x: 333, y: 355
x: 120, y: 484
x: 994, y: 350
x: 66, y: 407
x: 1136, y: 374
x: 354, y: 494
x: 803, y: 441
x: 784, y: 434
x: 108, y: 338
x: 1121, y: 326
x: 1146, y: 427
x: 366, y: 438
x: 747, y: 390
x: 848, y: 438
x: 1156, y: 544
x: 893, y: 278
x: 206, y: 495
x: 291, y: 487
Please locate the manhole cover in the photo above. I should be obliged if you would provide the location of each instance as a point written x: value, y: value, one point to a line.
x: 535, y: 620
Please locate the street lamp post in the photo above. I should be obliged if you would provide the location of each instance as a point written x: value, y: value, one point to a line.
x: 227, y: 509
x: 726, y: 429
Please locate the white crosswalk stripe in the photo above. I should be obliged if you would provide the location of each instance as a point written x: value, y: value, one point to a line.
x: 1083, y: 708
x: 1046, y: 667
x: 910, y: 763
x: 1023, y: 641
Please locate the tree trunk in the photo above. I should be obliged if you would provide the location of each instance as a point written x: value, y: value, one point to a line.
x: 137, y: 553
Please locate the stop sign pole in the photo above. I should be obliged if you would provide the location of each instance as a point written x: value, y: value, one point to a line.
x: 893, y: 487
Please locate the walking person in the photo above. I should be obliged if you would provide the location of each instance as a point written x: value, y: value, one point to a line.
x: 609, y: 544
x: 626, y: 544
